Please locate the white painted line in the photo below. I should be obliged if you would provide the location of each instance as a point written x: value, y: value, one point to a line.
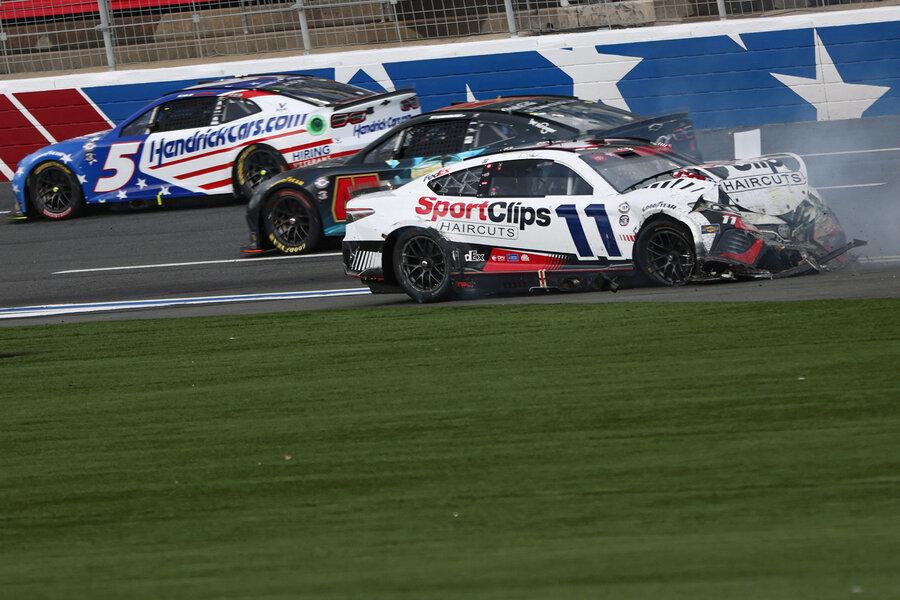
x: 68, y: 309
x: 855, y: 185
x: 879, y: 259
x: 30, y: 118
x: 192, y: 264
x: 852, y: 152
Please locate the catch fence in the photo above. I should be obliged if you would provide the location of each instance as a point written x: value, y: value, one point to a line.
x: 63, y: 35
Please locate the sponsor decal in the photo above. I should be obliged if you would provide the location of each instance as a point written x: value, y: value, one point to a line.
x: 526, y: 258
x: 321, y: 182
x: 322, y: 194
x: 541, y: 126
x: 624, y: 208
x: 623, y: 220
x: 478, y: 229
x: 90, y: 158
x: 742, y: 184
x: 316, y: 125
x: 163, y: 149
x: 713, y: 228
x: 314, y: 153
x: 379, y: 125
x: 660, y: 204
x: 499, y: 257
x: 679, y: 135
x: 472, y: 256
x: 514, y: 213
x: 512, y: 257
x: 291, y: 180
x: 436, y: 174
x: 89, y: 146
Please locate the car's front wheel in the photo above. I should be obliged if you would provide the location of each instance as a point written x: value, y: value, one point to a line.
x: 664, y: 253
x: 422, y: 265
x: 291, y: 222
x: 256, y: 164
x: 54, y: 191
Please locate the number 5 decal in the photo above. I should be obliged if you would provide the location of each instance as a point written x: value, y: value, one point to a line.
x: 118, y: 160
x: 598, y: 212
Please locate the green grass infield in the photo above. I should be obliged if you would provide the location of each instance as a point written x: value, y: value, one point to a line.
x: 634, y: 451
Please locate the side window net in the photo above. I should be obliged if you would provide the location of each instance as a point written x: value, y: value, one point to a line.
x: 187, y: 113
x: 460, y: 183
x: 433, y: 139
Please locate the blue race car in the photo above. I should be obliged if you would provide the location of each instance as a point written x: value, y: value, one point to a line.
x: 220, y: 137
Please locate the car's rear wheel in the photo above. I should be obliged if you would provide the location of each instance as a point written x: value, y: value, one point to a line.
x: 664, y: 253
x: 255, y: 165
x: 422, y: 265
x: 291, y: 222
x: 54, y: 191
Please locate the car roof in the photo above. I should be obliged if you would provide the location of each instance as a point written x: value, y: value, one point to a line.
x: 248, y: 82
x: 530, y: 104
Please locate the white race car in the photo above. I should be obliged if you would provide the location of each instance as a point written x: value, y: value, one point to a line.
x: 219, y: 137
x: 572, y: 216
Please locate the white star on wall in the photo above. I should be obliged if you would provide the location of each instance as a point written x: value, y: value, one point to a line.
x: 164, y: 190
x: 121, y: 195
x: 376, y: 72
x: 584, y: 65
x: 832, y: 98
x: 15, y: 189
x: 66, y: 158
x: 82, y: 178
x: 142, y: 183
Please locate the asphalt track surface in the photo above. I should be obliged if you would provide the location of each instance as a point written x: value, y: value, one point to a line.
x: 167, y: 262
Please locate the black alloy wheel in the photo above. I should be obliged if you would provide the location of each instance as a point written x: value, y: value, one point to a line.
x: 254, y: 166
x: 665, y: 254
x: 291, y: 222
x: 55, y: 192
x: 422, y: 266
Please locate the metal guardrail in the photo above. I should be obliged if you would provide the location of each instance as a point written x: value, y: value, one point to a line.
x: 63, y: 35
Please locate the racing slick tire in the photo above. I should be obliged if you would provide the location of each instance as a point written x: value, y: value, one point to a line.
x: 256, y: 164
x: 54, y: 191
x: 664, y: 253
x: 421, y: 261
x: 290, y: 221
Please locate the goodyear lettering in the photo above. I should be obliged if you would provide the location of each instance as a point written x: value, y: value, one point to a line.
x: 379, y: 125
x: 164, y: 149
x: 496, y: 212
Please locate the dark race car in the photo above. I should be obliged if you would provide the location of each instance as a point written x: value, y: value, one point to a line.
x: 292, y: 212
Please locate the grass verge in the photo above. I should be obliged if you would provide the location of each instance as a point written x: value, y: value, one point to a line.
x: 568, y: 451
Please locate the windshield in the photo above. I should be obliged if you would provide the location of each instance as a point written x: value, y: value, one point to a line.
x: 322, y: 92
x: 581, y: 114
x: 624, y: 168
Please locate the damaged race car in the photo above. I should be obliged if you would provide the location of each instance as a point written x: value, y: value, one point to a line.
x: 293, y: 212
x: 577, y: 215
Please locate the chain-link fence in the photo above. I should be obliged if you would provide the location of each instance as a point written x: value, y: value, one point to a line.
x: 62, y: 35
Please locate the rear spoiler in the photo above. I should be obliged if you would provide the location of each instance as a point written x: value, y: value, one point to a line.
x: 386, y: 96
x: 675, y: 130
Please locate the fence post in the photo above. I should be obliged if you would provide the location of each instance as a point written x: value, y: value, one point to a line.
x: 721, y: 5
x: 511, y: 18
x: 304, y: 26
x: 107, y: 35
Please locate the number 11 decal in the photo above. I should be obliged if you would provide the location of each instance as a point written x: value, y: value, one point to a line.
x: 569, y: 212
